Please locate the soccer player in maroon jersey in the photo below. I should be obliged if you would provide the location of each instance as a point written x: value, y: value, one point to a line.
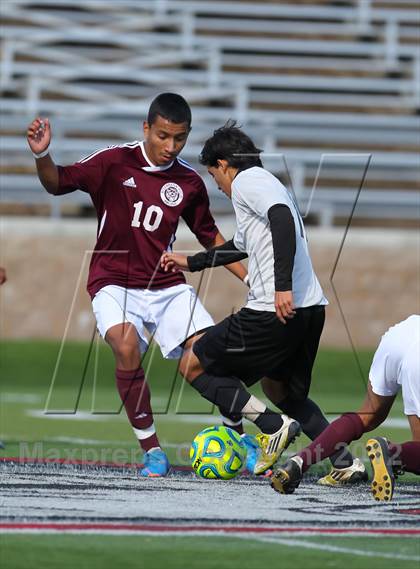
x: 139, y: 190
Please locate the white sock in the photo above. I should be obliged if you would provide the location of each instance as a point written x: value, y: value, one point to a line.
x: 142, y: 434
x: 253, y: 409
x: 298, y: 460
x: 154, y: 448
x: 229, y: 422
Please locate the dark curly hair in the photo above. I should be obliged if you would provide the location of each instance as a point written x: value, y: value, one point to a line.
x: 230, y: 143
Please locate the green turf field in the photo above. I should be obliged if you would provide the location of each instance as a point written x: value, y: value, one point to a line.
x: 84, y: 382
x: 143, y: 552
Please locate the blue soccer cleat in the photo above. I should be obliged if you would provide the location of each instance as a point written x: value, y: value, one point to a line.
x: 155, y: 464
x: 253, y: 451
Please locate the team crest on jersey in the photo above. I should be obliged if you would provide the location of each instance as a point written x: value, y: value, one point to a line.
x: 171, y: 194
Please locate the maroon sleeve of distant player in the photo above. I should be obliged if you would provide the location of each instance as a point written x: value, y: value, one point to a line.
x: 198, y: 217
x: 86, y: 175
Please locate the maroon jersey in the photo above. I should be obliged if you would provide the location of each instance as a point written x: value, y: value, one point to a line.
x: 138, y: 207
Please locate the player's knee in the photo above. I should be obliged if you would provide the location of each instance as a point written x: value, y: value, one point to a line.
x: 276, y: 391
x: 189, y: 366
x: 126, y: 354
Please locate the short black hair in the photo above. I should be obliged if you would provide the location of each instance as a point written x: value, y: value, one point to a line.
x: 230, y: 143
x: 170, y: 106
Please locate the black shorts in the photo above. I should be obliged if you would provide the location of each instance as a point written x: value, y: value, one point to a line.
x: 253, y: 344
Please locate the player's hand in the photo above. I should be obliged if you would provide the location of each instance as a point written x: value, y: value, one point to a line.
x: 3, y: 277
x: 39, y: 135
x: 283, y: 302
x: 172, y: 262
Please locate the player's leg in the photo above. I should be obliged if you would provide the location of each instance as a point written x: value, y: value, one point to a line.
x: 240, y: 346
x: 112, y: 307
x: 406, y: 456
x: 346, y: 469
x: 180, y: 319
x: 388, y: 459
x: 306, y: 412
x: 295, y: 401
x: 229, y: 393
x: 234, y: 421
x: 347, y: 428
x: 230, y: 420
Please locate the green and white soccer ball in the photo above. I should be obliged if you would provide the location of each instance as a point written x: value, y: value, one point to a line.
x: 218, y: 452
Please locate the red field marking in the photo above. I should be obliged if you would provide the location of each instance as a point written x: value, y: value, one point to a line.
x: 157, y: 528
x: 30, y: 460
x: 413, y: 512
x: 25, y: 460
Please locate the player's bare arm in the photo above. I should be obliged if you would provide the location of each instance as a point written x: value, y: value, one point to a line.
x: 39, y: 139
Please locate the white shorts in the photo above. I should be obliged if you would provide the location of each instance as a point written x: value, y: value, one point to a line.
x: 170, y: 315
x: 396, y: 364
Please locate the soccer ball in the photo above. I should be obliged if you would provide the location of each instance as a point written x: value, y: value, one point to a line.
x: 218, y: 452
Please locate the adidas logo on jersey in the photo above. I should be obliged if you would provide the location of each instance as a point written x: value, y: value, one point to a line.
x: 130, y: 183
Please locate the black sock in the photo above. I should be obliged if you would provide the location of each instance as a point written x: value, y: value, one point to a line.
x: 226, y: 392
x: 230, y: 394
x: 269, y: 422
x: 313, y: 422
x: 232, y: 420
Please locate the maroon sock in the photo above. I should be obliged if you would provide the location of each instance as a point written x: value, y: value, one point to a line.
x: 135, y: 395
x: 406, y: 455
x: 345, y: 429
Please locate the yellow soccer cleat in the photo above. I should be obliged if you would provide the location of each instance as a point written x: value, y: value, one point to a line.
x: 383, y: 475
x: 343, y: 476
x: 273, y: 445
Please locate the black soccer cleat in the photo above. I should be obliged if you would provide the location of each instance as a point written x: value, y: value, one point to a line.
x: 287, y: 478
x: 383, y: 481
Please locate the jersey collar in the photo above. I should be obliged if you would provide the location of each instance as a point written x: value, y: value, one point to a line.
x: 152, y: 167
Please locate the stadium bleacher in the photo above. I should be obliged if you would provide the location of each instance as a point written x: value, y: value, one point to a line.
x: 322, y: 86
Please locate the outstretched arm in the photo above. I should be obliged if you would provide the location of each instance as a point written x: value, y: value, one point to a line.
x: 39, y: 138
x: 224, y: 254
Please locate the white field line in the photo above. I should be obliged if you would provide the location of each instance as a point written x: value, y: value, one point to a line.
x: 205, y: 419
x: 100, y: 442
x: 333, y: 548
x: 301, y: 543
x: 13, y: 397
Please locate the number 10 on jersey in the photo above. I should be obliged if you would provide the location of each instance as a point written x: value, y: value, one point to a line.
x: 152, y: 217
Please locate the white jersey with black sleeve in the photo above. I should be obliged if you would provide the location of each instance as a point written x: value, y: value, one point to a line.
x: 254, y: 192
x: 396, y: 364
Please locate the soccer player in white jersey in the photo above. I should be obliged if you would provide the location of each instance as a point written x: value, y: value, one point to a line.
x: 395, y: 366
x: 140, y: 190
x: 277, y: 333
